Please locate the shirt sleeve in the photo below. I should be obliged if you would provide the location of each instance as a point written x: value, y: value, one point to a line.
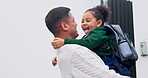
x: 83, y: 63
x: 95, y: 38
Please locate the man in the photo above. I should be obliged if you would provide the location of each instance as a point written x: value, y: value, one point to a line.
x: 75, y: 61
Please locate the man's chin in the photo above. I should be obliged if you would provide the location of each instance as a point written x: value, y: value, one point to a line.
x: 76, y: 36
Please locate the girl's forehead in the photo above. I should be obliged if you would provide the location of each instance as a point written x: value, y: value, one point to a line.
x: 88, y: 14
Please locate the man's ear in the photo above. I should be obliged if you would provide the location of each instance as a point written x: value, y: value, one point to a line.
x: 99, y: 23
x: 64, y: 26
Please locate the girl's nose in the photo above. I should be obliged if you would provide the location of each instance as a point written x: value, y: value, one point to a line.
x: 84, y: 24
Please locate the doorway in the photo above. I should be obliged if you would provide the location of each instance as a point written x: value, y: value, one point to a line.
x: 122, y: 14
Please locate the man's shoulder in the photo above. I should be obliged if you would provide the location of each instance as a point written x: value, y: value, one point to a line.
x: 73, y: 46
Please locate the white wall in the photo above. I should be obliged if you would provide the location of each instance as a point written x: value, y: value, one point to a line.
x: 141, y: 34
x: 25, y: 49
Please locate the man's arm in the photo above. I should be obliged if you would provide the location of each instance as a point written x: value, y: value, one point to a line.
x: 89, y: 63
x: 81, y: 62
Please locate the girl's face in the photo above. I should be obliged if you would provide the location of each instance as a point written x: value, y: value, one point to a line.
x: 89, y: 22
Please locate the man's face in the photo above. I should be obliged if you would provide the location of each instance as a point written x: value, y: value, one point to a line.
x: 72, y: 29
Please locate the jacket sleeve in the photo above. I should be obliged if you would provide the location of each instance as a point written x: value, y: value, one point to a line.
x: 95, y: 38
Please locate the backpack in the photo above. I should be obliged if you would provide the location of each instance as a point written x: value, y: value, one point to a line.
x: 124, y: 49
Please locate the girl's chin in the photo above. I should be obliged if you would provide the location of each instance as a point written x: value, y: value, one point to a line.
x: 86, y: 33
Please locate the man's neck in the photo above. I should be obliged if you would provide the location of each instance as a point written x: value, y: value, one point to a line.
x: 63, y: 36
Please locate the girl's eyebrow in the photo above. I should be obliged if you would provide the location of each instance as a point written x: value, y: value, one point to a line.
x: 87, y: 18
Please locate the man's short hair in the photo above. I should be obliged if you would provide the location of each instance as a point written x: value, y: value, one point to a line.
x: 54, y: 18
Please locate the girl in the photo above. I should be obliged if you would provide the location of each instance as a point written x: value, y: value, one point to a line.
x: 95, y: 35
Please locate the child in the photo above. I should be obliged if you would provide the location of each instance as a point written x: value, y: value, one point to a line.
x: 95, y: 35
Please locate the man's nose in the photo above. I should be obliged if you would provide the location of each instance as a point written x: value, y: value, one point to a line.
x: 76, y: 24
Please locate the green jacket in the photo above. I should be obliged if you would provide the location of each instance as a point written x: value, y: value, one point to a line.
x: 95, y: 38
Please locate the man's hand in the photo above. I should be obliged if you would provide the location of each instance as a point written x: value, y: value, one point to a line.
x: 57, y: 43
x: 54, y: 61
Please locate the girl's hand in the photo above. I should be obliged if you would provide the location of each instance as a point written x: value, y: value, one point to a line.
x: 57, y: 43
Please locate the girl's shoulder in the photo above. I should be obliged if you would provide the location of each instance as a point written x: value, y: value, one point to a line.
x: 101, y: 28
x: 98, y: 30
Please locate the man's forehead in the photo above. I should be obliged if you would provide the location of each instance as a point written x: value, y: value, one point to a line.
x: 70, y: 15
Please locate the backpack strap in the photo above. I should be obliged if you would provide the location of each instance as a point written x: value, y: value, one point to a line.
x: 119, y: 68
x: 118, y: 33
x: 117, y: 65
x: 111, y: 28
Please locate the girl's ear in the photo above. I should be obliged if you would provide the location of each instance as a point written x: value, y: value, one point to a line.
x: 64, y: 26
x: 99, y: 23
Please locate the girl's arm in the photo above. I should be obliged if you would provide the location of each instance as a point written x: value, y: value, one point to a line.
x: 54, y: 61
x: 94, y: 39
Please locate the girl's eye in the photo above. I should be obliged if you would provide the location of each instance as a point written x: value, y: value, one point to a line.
x: 88, y: 20
x: 82, y: 21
